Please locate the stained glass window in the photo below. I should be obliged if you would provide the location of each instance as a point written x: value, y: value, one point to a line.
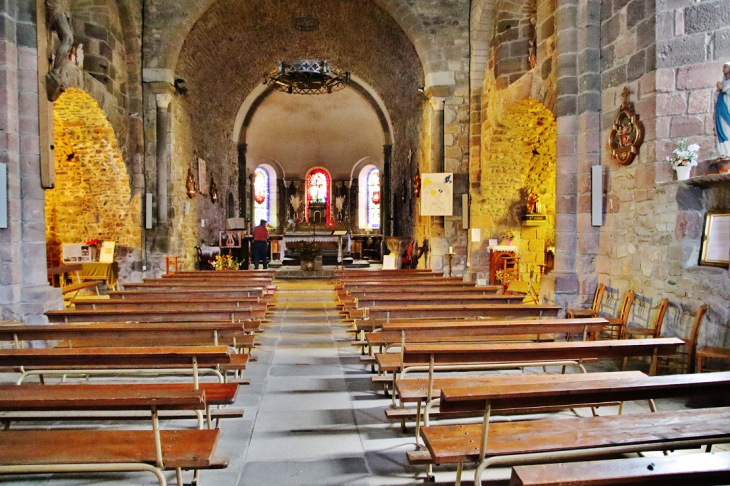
x: 373, y: 201
x: 261, y: 196
x: 318, y: 187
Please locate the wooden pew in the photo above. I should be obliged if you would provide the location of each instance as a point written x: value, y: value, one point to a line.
x: 400, y: 333
x: 224, y: 274
x: 95, y: 450
x: 188, y: 286
x: 100, y: 361
x: 416, y: 391
x: 405, y: 299
x: 170, y: 304
x: 437, y: 357
x: 209, y: 280
x: 388, y: 312
x: 452, y: 291
x: 384, y: 273
x: 234, y: 314
x: 525, y: 442
x: 197, y: 293
x: 399, y: 286
x: 117, y: 334
x: 708, y: 469
x: 216, y: 395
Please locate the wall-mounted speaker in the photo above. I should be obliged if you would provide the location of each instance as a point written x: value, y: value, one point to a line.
x: 148, y: 210
x: 597, y: 195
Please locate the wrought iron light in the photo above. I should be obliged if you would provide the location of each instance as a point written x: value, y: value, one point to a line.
x: 307, y: 77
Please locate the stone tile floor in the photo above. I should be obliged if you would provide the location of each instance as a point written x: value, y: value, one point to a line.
x: 312, y: 416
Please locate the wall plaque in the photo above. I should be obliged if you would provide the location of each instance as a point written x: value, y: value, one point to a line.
x: 627, y: 133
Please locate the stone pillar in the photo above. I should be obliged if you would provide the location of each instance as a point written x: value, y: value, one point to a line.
x: 242, y: 148
x: 164, y: 146
x: 385, y: 192
x: 437, y: 133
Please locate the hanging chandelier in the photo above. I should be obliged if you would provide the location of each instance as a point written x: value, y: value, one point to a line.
x: 307, y: 77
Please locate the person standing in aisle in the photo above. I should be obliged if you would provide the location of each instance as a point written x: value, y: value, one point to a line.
x: 260, y: 245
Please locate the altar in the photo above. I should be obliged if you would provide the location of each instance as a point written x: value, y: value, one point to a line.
x: 290, y: 240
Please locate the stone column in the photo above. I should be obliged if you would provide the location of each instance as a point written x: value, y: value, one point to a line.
x: 242, y: 148
x: 437, y: 133
x: 385, y: 192
x: 164, y: 142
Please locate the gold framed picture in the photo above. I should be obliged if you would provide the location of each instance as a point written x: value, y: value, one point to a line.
x: 716, y: 240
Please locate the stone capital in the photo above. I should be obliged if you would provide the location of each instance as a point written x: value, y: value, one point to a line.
x: 163, y: 100
x: 437, y: 103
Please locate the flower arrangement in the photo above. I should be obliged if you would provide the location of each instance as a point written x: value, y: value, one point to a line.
x: 308, y: 250
x: 684, y: 155
x: 225, y: 263
x: 508, y: 235
x: 93, y: 242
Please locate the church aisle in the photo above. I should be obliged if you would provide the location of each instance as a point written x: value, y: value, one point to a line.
x: 316, y: 418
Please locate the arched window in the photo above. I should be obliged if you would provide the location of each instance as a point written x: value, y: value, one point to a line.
x: 261, y: 195
x: 373, y: 201
x: 318, y: 193
x: 368, y: 197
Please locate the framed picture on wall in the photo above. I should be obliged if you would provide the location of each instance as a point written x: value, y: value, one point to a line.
x: 716, y: 240
x: 202, y: 177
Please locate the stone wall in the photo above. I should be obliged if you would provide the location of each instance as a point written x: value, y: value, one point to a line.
x: 670, y: 61
x: 92, y: 197
x: 24, y: 291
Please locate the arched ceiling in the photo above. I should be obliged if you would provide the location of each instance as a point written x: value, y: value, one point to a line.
x: 436, y: 28
x: 298, y: 131
x: 235, y: 42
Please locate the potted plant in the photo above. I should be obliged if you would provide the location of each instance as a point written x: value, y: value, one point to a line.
x: 308, y: 252
x: 683, y: 158
x: 226, y: 262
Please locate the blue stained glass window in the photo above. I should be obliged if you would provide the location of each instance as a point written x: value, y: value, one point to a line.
x: 261, y: 196
x: 373, y: 202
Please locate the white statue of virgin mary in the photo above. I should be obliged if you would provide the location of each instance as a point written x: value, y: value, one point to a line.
x: 722, y: 113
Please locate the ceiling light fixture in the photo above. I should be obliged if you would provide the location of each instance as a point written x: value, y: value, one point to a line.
x: 307, y: 77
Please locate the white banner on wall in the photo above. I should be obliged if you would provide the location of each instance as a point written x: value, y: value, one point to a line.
x: 437, y: 194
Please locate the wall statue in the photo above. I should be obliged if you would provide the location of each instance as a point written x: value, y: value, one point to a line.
x: 722, y: 113
x: 59, y: 21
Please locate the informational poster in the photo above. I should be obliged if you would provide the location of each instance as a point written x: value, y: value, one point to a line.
x: 107, y: 252
x: 716, y: 240
x: 437, y: 194
x: 202, y: 177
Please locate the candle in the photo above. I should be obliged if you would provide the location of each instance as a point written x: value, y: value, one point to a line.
x: 451, y: 249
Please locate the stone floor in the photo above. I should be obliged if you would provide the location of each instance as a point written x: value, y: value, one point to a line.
x: 312, y: 417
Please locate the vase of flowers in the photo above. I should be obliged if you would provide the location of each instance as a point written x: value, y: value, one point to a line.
x: 308, y: 252
x: 683, y: 158
x: 225, y: 263
x: 507, y: 237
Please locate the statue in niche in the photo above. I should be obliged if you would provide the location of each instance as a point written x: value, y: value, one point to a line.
x: 532, y: 44
x: 213, y: 191
x: 58, y: 14
x: 533, y: 203
x: 190, y: 183
x: 722, y: 113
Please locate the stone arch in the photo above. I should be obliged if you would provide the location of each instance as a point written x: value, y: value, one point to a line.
x: 171, y: 22
x: 92, y: 197
x: 519, y: 153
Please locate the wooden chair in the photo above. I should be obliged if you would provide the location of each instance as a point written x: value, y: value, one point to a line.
x: 171, y: 264
x: 685, y: 360
x: 654, y: 331
x: 616, y: 325
x: 595, y: 307
x: 510, y: 270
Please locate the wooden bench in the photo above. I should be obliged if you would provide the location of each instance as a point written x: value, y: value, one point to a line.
x: 406, y: 299
x: 194, y: 285
x: 197, y: 293
x: 95, y: 450
x: 416, y: 391
x: 452, y: 291
x: 687, y: 469
x: 233, y: 314
x: 442, y: 357
x: 388, y: 312
x: 528, y: 442
x: 221, y: 274
x: 398, y: 286
x: 216, y: 395
x: 101, y: 361
x: 114, y: 334
x: 155, y: 305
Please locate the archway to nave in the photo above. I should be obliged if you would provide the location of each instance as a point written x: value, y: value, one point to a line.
x: 300, y: 132
x: 92, y: 198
